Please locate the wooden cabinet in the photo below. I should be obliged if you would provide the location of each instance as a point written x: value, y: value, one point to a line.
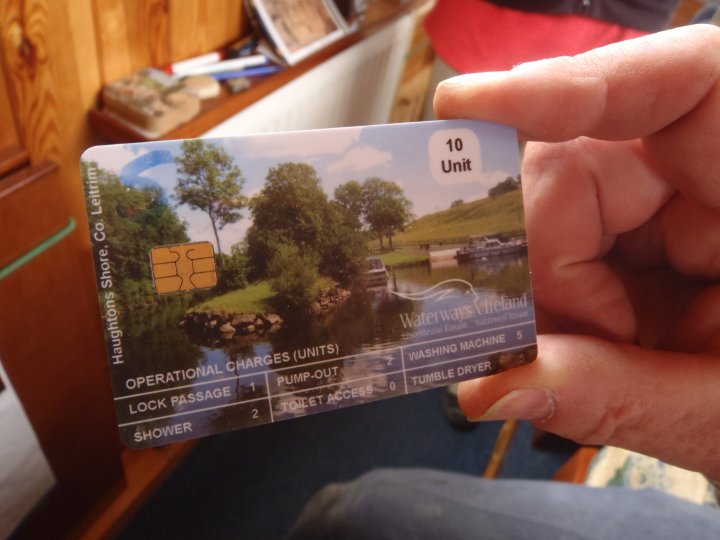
x: 50, y: 340
x: 12, y: 154
x: 52, y: 348
x: 54, y: 57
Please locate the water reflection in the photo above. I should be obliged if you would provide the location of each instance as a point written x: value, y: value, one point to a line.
x: 355, y: 344
x: 157, y: 342
x: 370, y: 320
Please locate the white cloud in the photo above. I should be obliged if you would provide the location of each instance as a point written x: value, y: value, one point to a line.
x: 360, y: 158
x: 293, y: 144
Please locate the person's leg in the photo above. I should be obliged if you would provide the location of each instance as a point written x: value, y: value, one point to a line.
x: 424, y: 504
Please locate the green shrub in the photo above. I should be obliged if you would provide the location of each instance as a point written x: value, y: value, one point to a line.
x: 295, y: 279
x: 233, y: 272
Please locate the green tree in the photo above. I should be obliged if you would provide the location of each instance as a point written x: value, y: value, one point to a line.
x: 457, y: 203
x: 349, y: 197
x: 291, y: 209
x: 209, y: 180
x: 137, y: 219
x: 506, y: 186
x: 386, y: 208
x: 343, y: 249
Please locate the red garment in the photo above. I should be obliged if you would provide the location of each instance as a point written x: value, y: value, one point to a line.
x: 473, y: 35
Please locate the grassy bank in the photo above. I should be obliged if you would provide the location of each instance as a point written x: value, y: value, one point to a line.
x: 486, y: 216
x: 254, y: 298
x: 404, y: 257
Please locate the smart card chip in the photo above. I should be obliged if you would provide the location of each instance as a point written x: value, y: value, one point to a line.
x: 183, y: 267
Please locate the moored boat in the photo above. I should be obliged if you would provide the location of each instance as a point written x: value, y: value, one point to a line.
x: 490, y: 246
x: 376, y: 274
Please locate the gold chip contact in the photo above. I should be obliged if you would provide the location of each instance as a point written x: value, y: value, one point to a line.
x: 183, y: 267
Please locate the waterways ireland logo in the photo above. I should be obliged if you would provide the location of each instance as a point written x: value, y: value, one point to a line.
x: 444, y: 290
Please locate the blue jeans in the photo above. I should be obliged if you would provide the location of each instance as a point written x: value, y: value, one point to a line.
x: 421, y: 504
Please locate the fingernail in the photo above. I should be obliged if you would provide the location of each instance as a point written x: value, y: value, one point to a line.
x: 476, y: 78
x: 525, y: 404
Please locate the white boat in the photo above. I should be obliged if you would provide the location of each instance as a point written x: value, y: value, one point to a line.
x: 490, y: 246
x: 376, y: 274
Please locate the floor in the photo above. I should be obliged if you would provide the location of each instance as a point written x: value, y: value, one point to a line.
x: 250, y: 484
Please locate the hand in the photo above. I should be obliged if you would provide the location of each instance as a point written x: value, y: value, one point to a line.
x: 623, y: 217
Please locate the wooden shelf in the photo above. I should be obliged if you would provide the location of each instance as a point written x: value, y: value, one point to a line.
x: 25, y: 176
x: 214, y: 111
x: 46, y: 289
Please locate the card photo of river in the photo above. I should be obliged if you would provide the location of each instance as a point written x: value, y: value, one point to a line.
x: 305, y: 271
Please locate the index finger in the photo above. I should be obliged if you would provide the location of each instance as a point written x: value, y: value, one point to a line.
x: 664, y: 86
x: 622, y: 91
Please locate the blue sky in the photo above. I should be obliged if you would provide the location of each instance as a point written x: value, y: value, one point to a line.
x: 401, y: 153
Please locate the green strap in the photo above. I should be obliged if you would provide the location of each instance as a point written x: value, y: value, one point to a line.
x: 37, y: 250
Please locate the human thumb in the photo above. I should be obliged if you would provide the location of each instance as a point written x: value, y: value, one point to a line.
x: 658, y: 403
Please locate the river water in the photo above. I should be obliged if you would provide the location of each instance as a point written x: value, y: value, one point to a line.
x: 430, y: 325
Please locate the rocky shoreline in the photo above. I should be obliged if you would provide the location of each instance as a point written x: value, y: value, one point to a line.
x: 224, y: 325
x: 214, y: 325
